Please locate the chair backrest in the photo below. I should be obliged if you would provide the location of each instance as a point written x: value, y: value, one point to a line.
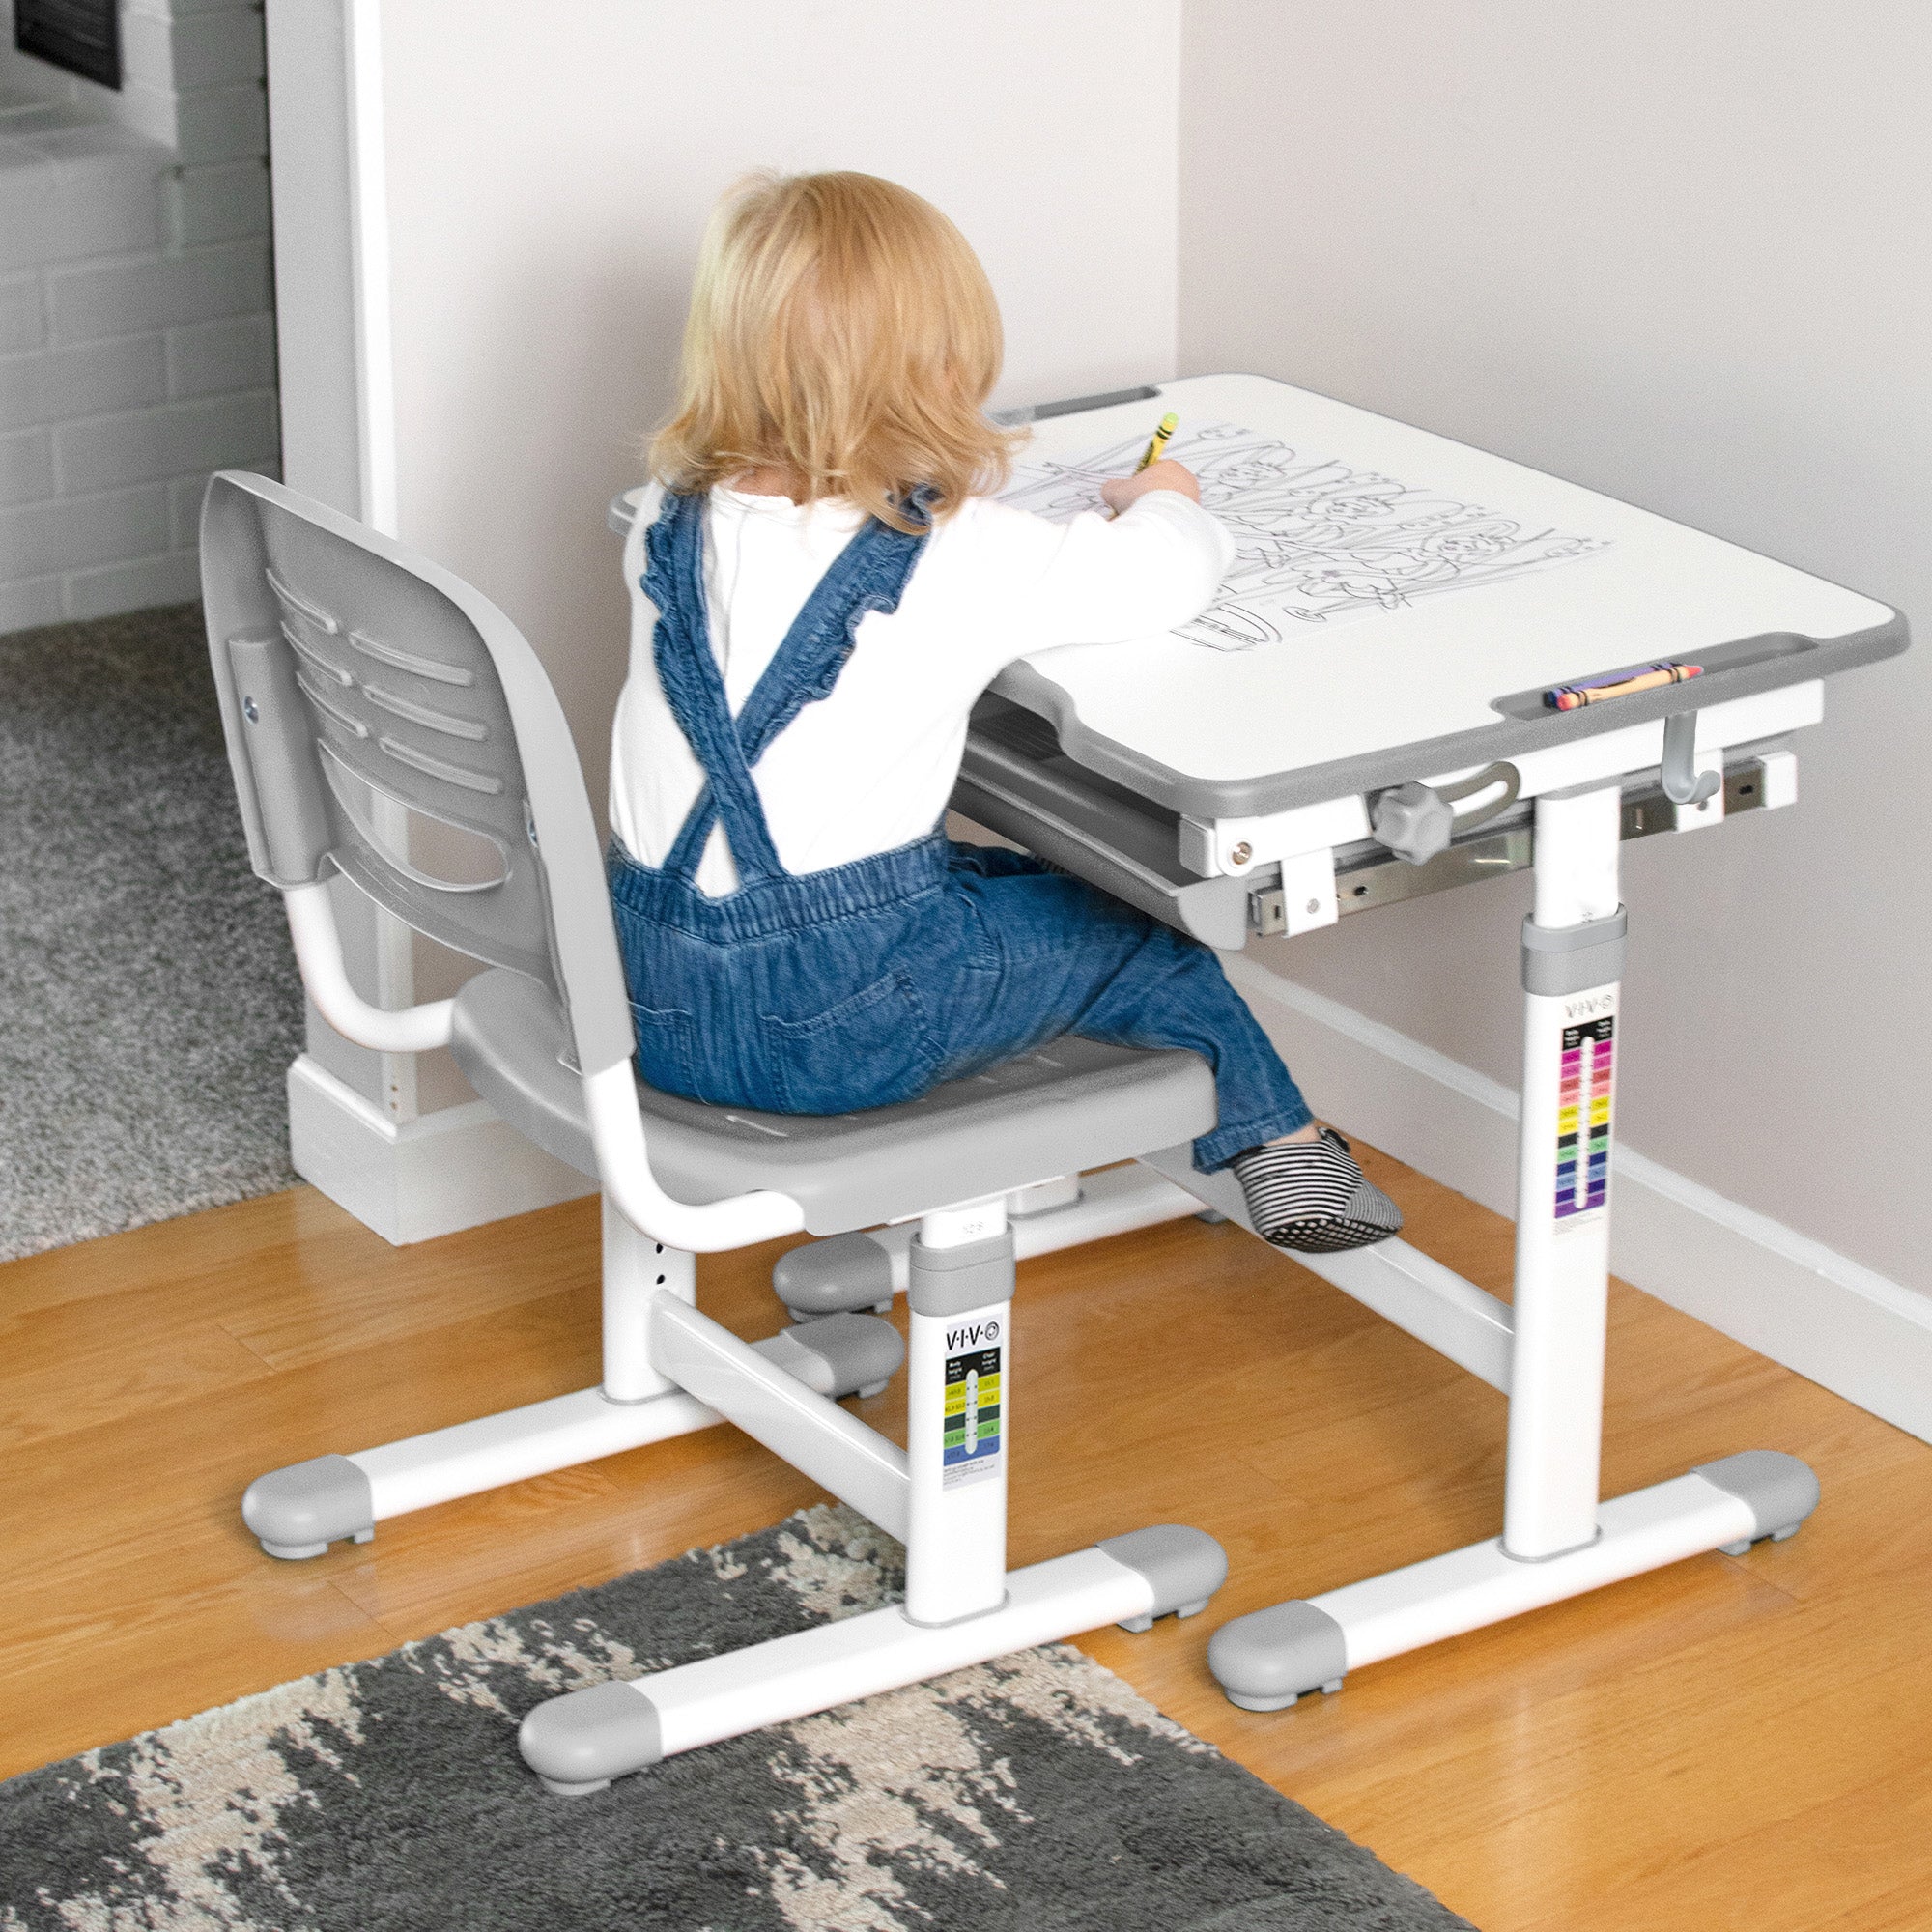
x: 388, y: 721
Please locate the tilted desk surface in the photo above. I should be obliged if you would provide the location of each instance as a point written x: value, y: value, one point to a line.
x: 1190, y: 780
x: 1452, y: 680
x: 1449, y: 682
x: 1228, y: 792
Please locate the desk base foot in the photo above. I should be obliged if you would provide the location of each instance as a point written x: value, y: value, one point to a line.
x: 1269, y: 1659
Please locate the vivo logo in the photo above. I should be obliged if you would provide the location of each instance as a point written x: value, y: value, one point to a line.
x: 1583, y: 1010
x: 978, y: 1336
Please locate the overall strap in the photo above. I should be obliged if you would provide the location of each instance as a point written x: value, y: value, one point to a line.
x: 695, y: 690
x: 869, y: 574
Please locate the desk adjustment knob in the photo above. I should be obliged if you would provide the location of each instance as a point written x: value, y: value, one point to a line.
x: 1416, y: 821
x: 1413, y: 821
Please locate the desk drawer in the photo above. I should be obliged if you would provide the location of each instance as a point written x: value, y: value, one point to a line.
x: 1016, y: 781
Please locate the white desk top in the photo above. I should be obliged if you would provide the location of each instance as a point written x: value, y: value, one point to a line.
x: 1413, y: 691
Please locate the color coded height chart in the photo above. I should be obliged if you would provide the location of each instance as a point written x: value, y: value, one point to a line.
x: 972, y: 1420
x: 1583, y: 1116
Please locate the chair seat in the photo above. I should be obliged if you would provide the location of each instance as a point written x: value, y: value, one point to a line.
x: 1072, y: 1104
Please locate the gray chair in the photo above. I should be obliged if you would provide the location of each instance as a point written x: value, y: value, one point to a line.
x: 389, y: 725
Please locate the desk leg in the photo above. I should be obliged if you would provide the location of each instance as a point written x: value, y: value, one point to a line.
x: 1559, y: 1540
x: 1573, y: 957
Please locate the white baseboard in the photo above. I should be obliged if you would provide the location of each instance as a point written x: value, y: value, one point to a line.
x: 414, y: 1181
x: 1853, y: 1331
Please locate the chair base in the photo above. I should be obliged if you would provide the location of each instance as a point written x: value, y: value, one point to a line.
x: 299, y: 1511
x: 580, y: 1741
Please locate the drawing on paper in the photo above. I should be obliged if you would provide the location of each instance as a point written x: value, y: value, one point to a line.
x: 1317, y: 540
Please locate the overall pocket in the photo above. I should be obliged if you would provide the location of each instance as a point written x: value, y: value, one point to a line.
x: 874, y: 1047
x: 666, y: 1057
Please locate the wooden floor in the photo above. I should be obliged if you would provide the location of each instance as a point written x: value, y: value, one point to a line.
x: 1725, y: 1744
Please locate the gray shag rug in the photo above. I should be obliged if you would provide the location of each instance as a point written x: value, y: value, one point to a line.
x: 148, y: 1001
x: 1038, y: 1793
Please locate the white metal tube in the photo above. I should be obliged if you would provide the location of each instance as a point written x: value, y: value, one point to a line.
x: 1579, y: 838
x: 958, y: 1430
x: 812, y: 1432
x: 634, y: 1268
x: 1116, y: 1200
x: 319, y: 954
x: 1042, y: 1197
x: 1466, y: 1589
x: 832, y: 1664
x: 964, y: 1222
x: 624, y: 1168
x: 1433, y: 1303
x: 959, y: 1423
x: 1562, y: 1273
x: 1562, y: 1218
x: 471, y: 1457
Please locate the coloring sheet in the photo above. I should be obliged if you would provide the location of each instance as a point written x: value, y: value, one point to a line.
x: 1317, y: 541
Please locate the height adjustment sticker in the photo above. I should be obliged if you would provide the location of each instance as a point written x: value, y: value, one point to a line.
x: 1583, y: 1116
x: 973, y: 1434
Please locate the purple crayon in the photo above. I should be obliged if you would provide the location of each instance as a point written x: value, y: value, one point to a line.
x: 1618, y: 683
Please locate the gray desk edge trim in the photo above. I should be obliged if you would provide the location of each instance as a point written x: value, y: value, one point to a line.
x: 1803, y: 660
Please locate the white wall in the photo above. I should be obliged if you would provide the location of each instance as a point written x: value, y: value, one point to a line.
x: 549, y: 175
x: 1679, y: 254
x: 313, y: 127
x: 528, y: 194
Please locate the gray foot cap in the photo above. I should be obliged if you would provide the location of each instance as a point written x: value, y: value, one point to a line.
x: 1267, y: 1659
x: 1780, y: 1490
x: 1184, y: 1566
x: 301, y: 1510
x: 846, y: 1272
x: 843, y: 1353
x: 581, y: 1741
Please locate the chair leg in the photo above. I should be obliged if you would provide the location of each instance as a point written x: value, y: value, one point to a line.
x: 299, y: 1511
x: 962, y: 1605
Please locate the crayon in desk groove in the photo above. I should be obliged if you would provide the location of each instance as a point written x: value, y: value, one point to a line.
x: 1618, y: 683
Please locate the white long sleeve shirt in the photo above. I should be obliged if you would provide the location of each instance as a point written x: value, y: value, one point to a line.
x: 872, y: 766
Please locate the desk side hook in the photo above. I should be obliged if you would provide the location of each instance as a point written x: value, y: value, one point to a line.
x: 1683, y: 783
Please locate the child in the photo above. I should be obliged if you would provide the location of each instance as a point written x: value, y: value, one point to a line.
x: 822, y: 585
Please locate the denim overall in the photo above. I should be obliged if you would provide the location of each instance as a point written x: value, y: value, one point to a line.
x: 871, y: 983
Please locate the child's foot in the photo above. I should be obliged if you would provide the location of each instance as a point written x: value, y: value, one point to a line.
x: 1311, y: 1195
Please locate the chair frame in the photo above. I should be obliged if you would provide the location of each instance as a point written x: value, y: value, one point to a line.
x: 669, y: 1369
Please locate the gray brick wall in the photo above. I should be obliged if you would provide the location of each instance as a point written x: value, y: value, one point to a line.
x: 136, y: 326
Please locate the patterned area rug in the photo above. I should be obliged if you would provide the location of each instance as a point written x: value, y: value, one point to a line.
x: 150, y: 999
x: 1028, y: 1794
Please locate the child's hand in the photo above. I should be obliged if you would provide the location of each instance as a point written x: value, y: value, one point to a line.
x: 1118, y: 491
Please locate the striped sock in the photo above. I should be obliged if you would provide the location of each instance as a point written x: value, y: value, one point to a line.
x: 1311, y: 1195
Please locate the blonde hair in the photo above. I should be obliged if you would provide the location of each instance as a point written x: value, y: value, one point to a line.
x: 842, y: 331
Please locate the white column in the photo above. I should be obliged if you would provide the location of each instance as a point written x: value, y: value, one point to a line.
x: 1562, y: 1228
x: 959, y: 1420
x: 634, y: 1268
